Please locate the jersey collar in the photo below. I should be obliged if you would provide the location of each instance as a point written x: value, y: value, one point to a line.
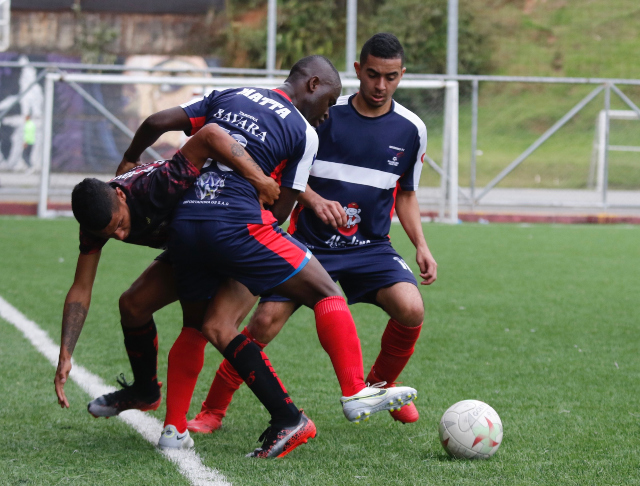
x: 282, y: 93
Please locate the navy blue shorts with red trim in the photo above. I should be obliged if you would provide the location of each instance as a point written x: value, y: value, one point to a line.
x: 361, y: 271
x: 260, y: 256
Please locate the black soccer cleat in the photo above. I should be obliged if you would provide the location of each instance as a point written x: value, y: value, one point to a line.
x: 279, y: 441
x: 129, y: 398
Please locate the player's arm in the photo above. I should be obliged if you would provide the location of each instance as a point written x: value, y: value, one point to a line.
x: 408, y: 212
x: 283, y: 206
x: 212, y: 142
x: 329, y: 212
x: 76, y: 307
x: 152, y: 128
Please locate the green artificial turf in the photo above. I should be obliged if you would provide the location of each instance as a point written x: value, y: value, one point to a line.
x: 538, y: 321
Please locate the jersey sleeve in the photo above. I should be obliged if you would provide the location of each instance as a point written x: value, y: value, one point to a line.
x: 197, y: 111
x: 295, y: 172
x: 165, y: 183
x: 90, y: 244
x: 410, y: 180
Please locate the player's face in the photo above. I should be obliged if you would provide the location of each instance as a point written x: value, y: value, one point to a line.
x: 120, y: 225
x: 323, y: 98
x: 379, y: 79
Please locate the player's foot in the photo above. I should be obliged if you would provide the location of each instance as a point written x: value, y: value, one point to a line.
x: 407, y: 414
x: 172, y: 439
x: 279, y: 441
x: 359, y: 407
x: 206, y: 421
x: 128, y: 398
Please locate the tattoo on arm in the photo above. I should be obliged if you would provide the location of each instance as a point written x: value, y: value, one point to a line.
x: 238, y: 151
x: 72, y: 321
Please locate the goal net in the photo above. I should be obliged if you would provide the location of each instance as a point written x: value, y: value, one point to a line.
x: 89, y: 120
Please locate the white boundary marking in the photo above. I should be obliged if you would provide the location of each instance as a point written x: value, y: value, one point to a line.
x: 188, y: 461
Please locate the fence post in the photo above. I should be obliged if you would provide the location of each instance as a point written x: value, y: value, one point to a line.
x: 474, y: 141
x: 46, y: 146
x: 605, y: 165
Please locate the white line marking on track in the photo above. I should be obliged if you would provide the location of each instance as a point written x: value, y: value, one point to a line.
x: 188, y: 461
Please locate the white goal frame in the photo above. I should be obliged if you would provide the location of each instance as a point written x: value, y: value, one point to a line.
x: 600, y: 144
x: 448, y: 172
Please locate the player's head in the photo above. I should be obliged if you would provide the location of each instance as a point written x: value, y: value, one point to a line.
x: 380, y: 69
x: 316, y: 87
x: 101, y: 209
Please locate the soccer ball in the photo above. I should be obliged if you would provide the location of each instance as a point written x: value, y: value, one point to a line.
x: 470, y: 429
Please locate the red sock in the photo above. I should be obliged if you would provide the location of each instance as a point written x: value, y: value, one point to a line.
x: 186, y: 359
x: 398, y: 343
x: 225, y: 383
x: 339, y: 338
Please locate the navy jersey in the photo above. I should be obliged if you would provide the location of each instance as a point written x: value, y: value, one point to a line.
x: 273, y: 132
x: 361, y: 162
x: 152, y: 191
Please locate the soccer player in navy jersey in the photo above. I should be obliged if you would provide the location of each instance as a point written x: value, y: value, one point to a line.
x: 219, y: 215
x: 369, y: 161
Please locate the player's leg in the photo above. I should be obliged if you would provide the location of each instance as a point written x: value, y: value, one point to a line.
x: 266, y: 322
x: 403, y: 302
x: 312, y: 286
x: 186, y: 357
x: 151, y: 291
x: 289, y: 427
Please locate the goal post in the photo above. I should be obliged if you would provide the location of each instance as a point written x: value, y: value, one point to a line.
x: 448, y: 171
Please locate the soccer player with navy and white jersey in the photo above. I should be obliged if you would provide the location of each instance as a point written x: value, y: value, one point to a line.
x: 369, y: 162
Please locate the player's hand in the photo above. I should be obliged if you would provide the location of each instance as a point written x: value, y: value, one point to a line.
x: 126, y: 166
x: 62, y: 373
x: 268, y: 191
x: 330, y: 212
x: 427, y: 264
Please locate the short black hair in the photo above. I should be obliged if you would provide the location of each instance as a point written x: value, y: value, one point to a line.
x: 300, y: 70
x: 93, y: 203
x: 383, y: 45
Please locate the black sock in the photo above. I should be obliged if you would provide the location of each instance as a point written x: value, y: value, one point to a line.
x: 255, y: 369
x: 142, y: 347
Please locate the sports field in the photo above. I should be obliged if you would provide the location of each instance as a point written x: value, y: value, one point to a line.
x: 541, y: 322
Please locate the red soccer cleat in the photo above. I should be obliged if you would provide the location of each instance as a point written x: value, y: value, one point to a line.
x: 206, y: 421
x: 278, y: 442
x: 407, y: 414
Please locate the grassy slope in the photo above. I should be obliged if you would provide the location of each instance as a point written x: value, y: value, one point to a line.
x: 567, y: 296
x: 596, y: 38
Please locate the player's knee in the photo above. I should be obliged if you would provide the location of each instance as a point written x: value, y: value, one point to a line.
x: 129, y: 310
x: 412, y: 314
x: 265, y: 326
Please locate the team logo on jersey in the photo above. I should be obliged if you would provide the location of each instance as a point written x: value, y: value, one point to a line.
x: 353, y: 218
x: 209, y: 185
x: 395, y: 154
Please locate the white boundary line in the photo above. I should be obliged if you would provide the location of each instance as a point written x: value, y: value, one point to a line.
x: 188, y: 461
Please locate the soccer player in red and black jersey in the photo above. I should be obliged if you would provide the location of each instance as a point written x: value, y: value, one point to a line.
x: 136, y: 208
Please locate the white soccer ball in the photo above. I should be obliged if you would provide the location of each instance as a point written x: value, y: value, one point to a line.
x: 470, y: 429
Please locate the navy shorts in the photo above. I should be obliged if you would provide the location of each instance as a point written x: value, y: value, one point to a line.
x: 361, y: 272
x: 259, y: 256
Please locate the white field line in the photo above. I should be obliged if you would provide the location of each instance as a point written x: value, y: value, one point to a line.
x: 188, y: 461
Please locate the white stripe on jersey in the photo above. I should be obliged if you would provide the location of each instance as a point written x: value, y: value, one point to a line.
x: 306, y: 161
x: 422, y: 132
x: 354, y: 174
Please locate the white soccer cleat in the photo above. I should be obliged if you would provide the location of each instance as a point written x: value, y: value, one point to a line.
x: 171, y: 439
x: 359, y: 407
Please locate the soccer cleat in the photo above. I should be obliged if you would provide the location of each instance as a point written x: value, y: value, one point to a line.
x: 127, y: 398
x: 206, y: 421
x: 171, y: 439
x: 359, y: 407
x: 279, y: 441
x: 407, y: 414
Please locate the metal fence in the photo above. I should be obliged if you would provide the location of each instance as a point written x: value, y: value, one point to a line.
x: 522, y: 133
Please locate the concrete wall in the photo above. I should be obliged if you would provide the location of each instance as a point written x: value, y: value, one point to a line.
x: 35, y: 32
